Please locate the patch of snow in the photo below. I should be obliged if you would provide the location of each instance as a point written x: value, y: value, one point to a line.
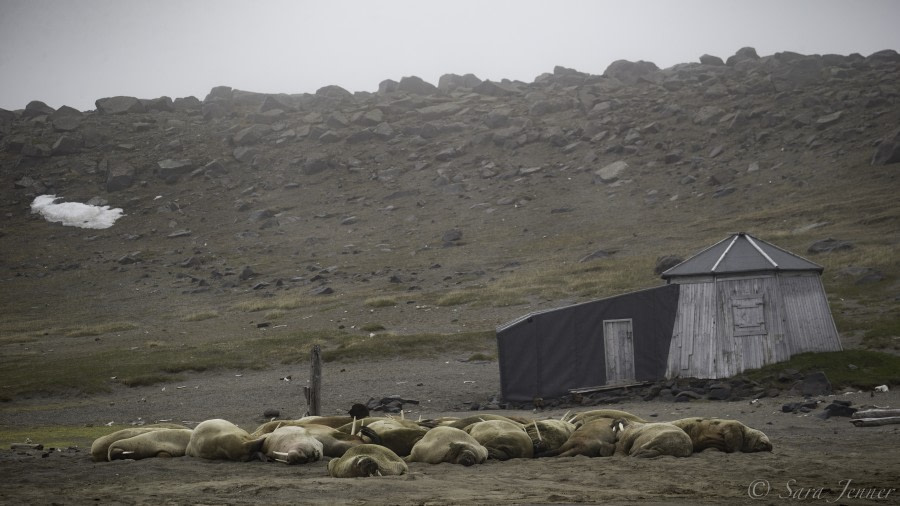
x: 75, y: 214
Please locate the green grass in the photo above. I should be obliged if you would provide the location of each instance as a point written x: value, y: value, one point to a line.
x: 156, y: 362
x: 200, y: 316
x: 380, y: 301
x: 55, y: 436
x: 873, y: 368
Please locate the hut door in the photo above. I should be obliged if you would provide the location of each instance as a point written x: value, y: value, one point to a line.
x: 618, y: 341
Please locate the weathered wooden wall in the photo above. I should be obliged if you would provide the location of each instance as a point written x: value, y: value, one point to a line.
x: 708, y: 342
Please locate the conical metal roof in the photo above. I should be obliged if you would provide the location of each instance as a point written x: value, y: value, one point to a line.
x: 741, y: 253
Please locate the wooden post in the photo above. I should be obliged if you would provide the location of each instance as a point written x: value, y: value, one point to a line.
x: 315, y: 381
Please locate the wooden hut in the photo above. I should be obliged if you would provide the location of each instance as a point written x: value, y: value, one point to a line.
x: 739, y: 304
x: 744, y: 303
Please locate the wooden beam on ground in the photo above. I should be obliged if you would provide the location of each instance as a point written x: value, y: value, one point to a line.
x: 604, y: 388
x: 876, y: 413
x: 875, y: 422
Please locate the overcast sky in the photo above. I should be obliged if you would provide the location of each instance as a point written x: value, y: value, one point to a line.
x: 72, y: 52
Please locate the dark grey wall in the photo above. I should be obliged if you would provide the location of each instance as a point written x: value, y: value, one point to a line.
x: 549, y: 353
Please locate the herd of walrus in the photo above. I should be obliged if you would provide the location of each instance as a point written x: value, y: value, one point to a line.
x: 383, y: 446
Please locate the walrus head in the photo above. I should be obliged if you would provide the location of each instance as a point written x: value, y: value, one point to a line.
x: 756, y: 441
x: 366, y: 466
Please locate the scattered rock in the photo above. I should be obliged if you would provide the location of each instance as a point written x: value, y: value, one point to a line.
x: 829, y: 245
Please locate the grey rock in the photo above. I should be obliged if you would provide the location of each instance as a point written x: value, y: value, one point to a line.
x: 439, y: 111
x: 493, y: 89
x: 119, y: 175
x: 221, y: 93
x: 814, y: 384
x: 416, y: 86
x: 610, y: 173
x: 666, y: 262
x: 67, y: 144
x: 334, y: 92
x: 245, y: 154
x: 888, y: 150
x: 119, y: 105
x: 251, y: 135
x: 629, y: 72
x: 708, y: 114
x: 707, y: 59
x: 170, y: 168
x: 451, y: 82
x: 742, y: 54
x: 388, y: 86
x: 829, y: 245
x: 187, y: 104
x: 829, y: 119
x: 37, y: 108
x: 315, y: 164
x: 66, y: 119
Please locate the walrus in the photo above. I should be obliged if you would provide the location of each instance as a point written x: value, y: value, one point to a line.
x: 219, y: 439
x: 157, y: 443
x: 581, y: 418
x: 397, y: 434
x: 100, y: 446
x: 503, y: 439
x: 367, y: 460
x: 724, y: 435
x: 595, y: 438
x: 649, y: 440
x: 448, y: 444
x: 292, y: 445
x: 548, y: 435
x: 462, y: 423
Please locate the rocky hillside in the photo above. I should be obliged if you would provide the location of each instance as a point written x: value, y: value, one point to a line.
x: 447, y: 208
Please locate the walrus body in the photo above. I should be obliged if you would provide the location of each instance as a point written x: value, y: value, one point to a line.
x: 448, y: 444
x: 614, y: 414
x: 158, y: 443
x: 292, y: 445
x: 649, y: 440
x: 549, y: 435
x: 723, y: 435
x: 100, y: 446
x: 503, y: 439
x: 367, y: 460
x: 219, y: 439
x: 595, y: 438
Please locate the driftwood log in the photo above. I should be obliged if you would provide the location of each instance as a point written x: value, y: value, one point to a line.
x: 875, y: 422
x: 26, y: 446
x: 876, y: 413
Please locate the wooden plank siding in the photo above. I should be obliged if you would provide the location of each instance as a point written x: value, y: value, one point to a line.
x: 740, y: 352
x: 808, y: 318
x: 692, y: 352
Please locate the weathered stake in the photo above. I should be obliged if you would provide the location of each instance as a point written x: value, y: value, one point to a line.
x: 875, y: 422
x: 315, y: 381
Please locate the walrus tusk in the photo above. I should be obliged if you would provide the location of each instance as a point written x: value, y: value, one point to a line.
x: 402, y: 416
x: 280, y: 454
x: 277, y: 426
x: 538, y: 431
x: 621, y: 426
x: 127, y: 453
x: 378, y: 472
x: 353, y: 427
x: 565, y: 415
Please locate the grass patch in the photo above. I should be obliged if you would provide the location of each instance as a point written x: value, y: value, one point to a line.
x: 884, y: 333
x: 160, y: 362
x: 199, y: 316
x: 55, y: 436
x: 458, y: 298
x: 410, y: 346
x: 481, y: 357
x: 381, y: 302
x: 372, y: 327
x: 873, y: 368
x: 100, y: 329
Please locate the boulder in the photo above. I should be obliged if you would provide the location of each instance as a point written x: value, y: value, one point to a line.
x: 493, y: 89
x: 169, y: 168
x: 161, y: 104
x: 742, y: 54
x: 629, y: 72
x: 450, y: 82
x: 814, y: 384
x: 388, y: 86
x: 67, y: 144
x: 666, y: 262
x: 66, y: 119
x: 223, y: 93
x: 707, y: 59
x: 610, y: 173
x: 335, y: 92
x: 37, y: 108
x: 251, y: 135
x: 186, y: 104
x: 119, y: 175
x: 119, y: 105
x: 888, y: 150
x: 416, y: 86
x: 439, y: 111
x: 829, y: 245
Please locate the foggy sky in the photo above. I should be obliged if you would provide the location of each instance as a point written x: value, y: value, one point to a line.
x: 72, y: 52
